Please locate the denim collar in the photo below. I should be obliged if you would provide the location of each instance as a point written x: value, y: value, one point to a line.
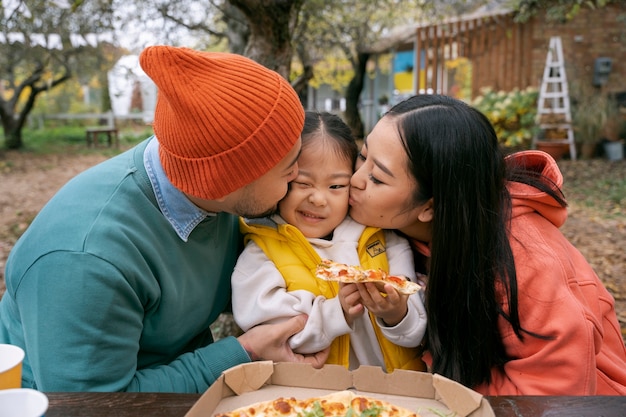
x: 179, y: 211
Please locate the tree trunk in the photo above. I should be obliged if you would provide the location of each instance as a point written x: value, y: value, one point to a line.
x: 237, y: 31
x: 12, y: 121
x: 271, y: 27
x: 105, y: 98
x: 353, y: 93
x: 12, y: 136
x: 301, y: 84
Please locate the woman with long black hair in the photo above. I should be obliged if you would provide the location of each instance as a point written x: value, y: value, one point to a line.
x: 513, y: 307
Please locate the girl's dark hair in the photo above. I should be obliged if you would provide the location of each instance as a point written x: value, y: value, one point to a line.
x: 333, y: 127
x: 455, y: 158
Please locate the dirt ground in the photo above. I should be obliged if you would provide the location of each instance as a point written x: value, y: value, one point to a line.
x: 596, y: 223
x: 27, y: 182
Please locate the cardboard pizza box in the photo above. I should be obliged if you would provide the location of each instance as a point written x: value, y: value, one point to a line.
x: 427, y: 394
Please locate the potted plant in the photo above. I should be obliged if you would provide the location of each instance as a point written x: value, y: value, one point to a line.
x: 590, y: 112
x: 614, y: 132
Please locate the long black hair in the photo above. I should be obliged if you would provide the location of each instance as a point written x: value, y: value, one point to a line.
x: 455, y: 158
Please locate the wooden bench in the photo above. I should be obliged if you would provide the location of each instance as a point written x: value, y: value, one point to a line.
x: 107, y: 127
x: 93, y: 134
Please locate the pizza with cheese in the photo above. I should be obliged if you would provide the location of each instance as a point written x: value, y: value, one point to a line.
x: 338, y: 404
x: 334, y: 271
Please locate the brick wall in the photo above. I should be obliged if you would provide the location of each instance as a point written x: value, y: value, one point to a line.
x: 590, y: 35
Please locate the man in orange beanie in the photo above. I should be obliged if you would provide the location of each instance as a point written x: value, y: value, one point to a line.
x: 114, y: 285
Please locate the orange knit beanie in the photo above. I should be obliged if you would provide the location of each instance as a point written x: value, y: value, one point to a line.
x: 222, y: 120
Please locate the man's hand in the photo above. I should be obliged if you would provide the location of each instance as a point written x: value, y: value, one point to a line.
x: 269, y: 342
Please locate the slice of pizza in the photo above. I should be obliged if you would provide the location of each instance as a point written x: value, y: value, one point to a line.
x: 337, y: 404
x: 334, y: 271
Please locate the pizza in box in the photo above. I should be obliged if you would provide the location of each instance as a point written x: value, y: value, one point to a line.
x: 337, y: 404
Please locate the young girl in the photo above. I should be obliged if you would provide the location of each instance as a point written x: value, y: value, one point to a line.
x: 274, y: 276
x: 513, y: 307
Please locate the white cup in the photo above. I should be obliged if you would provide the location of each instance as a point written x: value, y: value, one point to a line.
x: 11, y: 358
x: 22, y: 402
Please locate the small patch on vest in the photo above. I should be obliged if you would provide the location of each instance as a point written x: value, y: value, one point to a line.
x: 375, y: 249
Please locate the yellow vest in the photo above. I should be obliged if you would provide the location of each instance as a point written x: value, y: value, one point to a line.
x: 296, y: 260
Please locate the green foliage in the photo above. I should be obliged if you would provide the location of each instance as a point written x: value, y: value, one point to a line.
x: 616, y: 192
x: 336, y: 72
x: 461, y: 67
x: 555, y: 10
x: 605, y: 193
x: 512, y: 114
x: 67, y: 98
x: 48, y: 43
x: 71, y: 139
x: 51, y: 140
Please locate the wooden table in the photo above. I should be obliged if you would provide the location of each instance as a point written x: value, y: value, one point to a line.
x: 176, y: 405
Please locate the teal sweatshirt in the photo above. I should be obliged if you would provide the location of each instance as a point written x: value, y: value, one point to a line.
x: 104, y: 295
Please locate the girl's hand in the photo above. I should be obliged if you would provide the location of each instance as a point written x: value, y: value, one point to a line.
x: 350, y: 301
x: 390, y: 306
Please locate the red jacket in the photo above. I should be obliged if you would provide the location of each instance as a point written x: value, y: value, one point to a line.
x: 560, y: 296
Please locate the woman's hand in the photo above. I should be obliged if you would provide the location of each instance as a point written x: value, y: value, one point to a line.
x: 391, y: 306
x: 270, y: 342
x: 350, y: 300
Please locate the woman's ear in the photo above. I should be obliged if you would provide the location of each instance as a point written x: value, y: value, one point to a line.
x: 427, y: 212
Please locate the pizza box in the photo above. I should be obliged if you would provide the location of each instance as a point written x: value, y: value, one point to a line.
x: 429, y: 395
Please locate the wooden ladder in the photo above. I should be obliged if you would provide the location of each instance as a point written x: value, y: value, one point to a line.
x: 553, y: 109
